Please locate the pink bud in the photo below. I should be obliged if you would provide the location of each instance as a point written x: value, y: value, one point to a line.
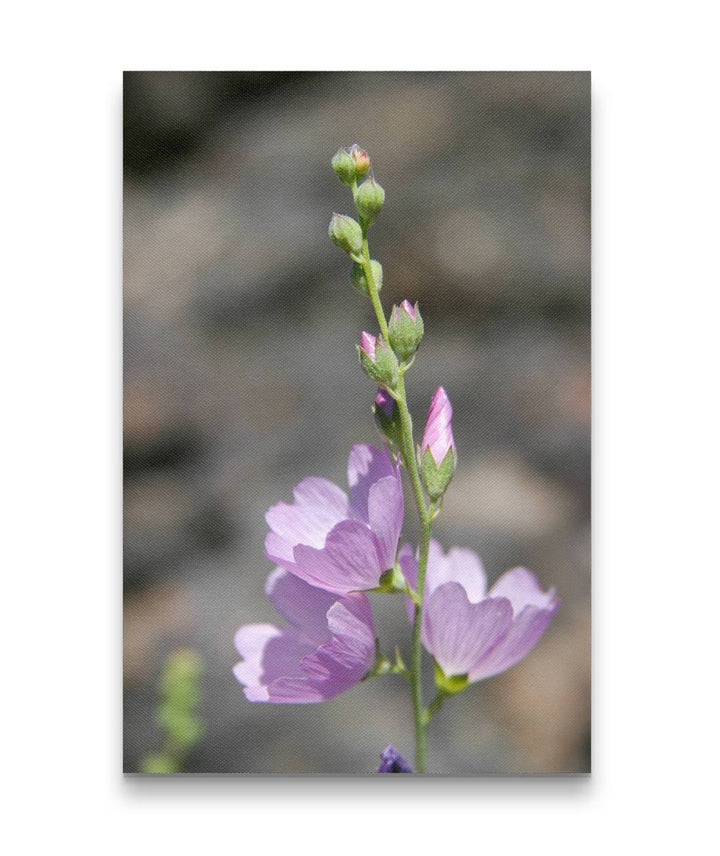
x: 385, y: 402
x: 368, y: 343
x: 409, y: 308
x: 438, y: 436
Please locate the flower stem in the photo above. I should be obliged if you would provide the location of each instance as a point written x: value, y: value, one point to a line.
x: 426, y: 517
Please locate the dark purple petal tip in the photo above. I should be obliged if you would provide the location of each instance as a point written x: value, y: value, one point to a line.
x: 393, y: 762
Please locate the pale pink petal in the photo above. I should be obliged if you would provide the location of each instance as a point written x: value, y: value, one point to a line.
x: 522, y: 589
x: 460, y: 566
x: 366, y: 465
x: 524, y: 634
x: 385, y: 513
x: 351, y: 560
x: 303, y: 605
x: 269, y: 653
x: 464, y: 566
x: 319, y: 505
x: 457, y: 633
x: 283, y: 665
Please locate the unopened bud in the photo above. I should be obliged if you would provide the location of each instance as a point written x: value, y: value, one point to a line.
x: 406, y: 329
x: 378, y: 360
x: 369, y: 200
x: 387, y: 417
x: 393, y: 762
x: 359, y: 280
x: 438, y: 458
x: 346, y: 233
x: 344, y: 166
x: 360, y: 159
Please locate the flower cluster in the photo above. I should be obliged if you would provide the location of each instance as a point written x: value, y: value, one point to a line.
x: 330, y: 546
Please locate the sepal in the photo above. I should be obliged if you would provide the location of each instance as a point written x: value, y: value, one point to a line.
x: 436, y: 478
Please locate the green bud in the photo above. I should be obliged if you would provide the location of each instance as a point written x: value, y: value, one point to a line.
x: 357, y: 276
x: 378, y: 360
x: 451, y: 685
x: 346, y: 233
x: 406, y: 329
x: 437, y: 478
x: 344, y: 166
x: 369, y: 200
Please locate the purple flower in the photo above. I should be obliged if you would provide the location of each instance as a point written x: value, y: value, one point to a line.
x: 336, y: 543
x: 328, y: 647
x: 469, y: 630
x: 393, y: 762
x: 438, y: 436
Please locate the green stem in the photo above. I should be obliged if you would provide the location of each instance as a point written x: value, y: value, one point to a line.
x: 425, y: 514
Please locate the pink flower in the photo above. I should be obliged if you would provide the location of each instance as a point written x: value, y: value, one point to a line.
x: 328, y: 647
x: 469, y: 630
x: 338, y: 543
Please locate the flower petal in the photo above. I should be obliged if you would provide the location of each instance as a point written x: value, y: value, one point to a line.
x: 459, y: 566
x: 345, y: 659
x: 269, y: 653
x: 366, y: 465
x: 303, y: 605
x: 319, y: 505
x: 385, y: 515
x: 526, y: 630
x: 522, y: 589
x: 458, y: 633
x: 350, y: 561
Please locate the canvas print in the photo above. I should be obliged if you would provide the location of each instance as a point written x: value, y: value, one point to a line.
x: 357, y: 423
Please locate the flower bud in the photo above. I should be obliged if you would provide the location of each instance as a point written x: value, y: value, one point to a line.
x: 360, y: 159
x: 393, y: 762
x: 387, y: 417
x: 346, y: 233
x: 344, y: 166
x: 369, y: 200
x: 378, y: 360
x: 406, y: 329
x: 357, y: 276
x: 438, y: 458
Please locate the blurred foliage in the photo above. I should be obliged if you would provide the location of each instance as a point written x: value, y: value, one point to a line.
x: 177, y: 714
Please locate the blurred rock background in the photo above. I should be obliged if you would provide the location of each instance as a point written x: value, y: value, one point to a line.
x: 241, y: 377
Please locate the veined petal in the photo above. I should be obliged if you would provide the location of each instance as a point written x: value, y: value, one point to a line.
x: 459, y: 566
x: 366, y: 465
x: 351, y: 560
x: 269, y: 653
x: 458, y: 633
x: 522, y: 589
x: 284, y: 665
x: 385, y: 514
x: 438, y: 436
x: 319, y: 505
x: 524, y: 634
x: 346, y: 657
x: 303, y: 605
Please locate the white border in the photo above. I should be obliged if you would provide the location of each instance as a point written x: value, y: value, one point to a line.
x: 655, y: 434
